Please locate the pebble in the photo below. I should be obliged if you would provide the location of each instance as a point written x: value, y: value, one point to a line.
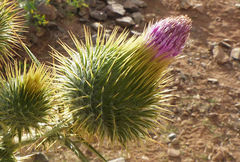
x: 171, y: 136
x: 96, y: 25
x: 173, y: 152
x: 145, y: 158
x: 125, y: 21
x: 121, y: 159
x: 186, y: 4
x: 115, y: 10
x: 140, y: 3
x: 212, y: 80
x: 199, y: 8
x: 135, y: 32
x: 137, y: 17
x: 225, y: 44
x: 37, y: 157
x: 235, y: 53
x: 98, y: 15
x: 130, y: 6
x: 237, y: 5
x: 219, y: 55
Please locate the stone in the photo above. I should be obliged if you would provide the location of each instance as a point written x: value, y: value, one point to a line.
x: 212, y: 80
x: 235, y: 53
x: 145, y: 158
x: 36, y: 157
x: 237, y: 5
x: 121, y: 159
x: 84, y: 12
x: 83, y: 20
x: 96, y: 25
x: 48, y: 10
x: 100, y: 5
x: 225, y: 45
x: 172, y: 136
x: 98, y: 15
x: 137, y: 17
x: 115, y: 10
x: 173, y: 152
x: 140, y: 3
x: 135, y: 32
x: 52, y: 25
x: 186, y: 4
x: 199, y: 8
x: 219, y: 55
x: 130, y: 6
x: 125, y: 21
x: 111, y: 2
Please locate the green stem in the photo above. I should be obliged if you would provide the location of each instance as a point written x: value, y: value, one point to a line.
x: 72, y: 146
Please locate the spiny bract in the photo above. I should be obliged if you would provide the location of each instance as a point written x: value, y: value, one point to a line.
x: 26, y: 97
x: 11, y: 23
x: 115, y: 88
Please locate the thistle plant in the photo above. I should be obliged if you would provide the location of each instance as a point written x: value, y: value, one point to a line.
x: 115, y: 89
x: 26, y: 105
x: 11, y: 24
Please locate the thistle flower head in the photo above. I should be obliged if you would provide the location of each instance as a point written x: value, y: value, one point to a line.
x: 25, y: 99
x: 168, y: 36
x: 11, y: 23
x: 114, y: 89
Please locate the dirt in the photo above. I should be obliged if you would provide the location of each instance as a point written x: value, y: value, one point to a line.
x: 206, y: 115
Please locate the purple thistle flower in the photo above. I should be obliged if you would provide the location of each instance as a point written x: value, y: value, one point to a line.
x: 169, y: 35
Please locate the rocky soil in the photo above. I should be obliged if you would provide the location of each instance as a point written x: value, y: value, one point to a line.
x: 206, y: 111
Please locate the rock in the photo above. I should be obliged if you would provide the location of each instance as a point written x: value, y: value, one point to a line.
x: 52, y: 25
x: 212, y: 80
x: 115, y: 10
x: 219, y: 55
x: 145, y: 158
x: 84, y: 12
x: 211, y: 45
x: 111, y: 2
x: 37, y: 157
x: 125, y: 21
x: 235, y: 53
x: 130, y: 6
x: 237, y: 5
x: 135, y: 32
x: 83, y: 20
x: 98, y: 15
x: 186, y: 4
x: 171, y: 136
x: 199, y: 8
x: 121, y: 159
x: 175, y: 141
x: 137, y: 17
x: 100, y: 5
x: 96, y: 25
x: 150, y: 15
x: 140, y: 3
x: 225, y: 44
x: 48, y: 10
x: 173, y: 152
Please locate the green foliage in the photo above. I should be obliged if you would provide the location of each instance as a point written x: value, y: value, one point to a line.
x: 25, y: 99
x: 113, y: 89
x: 11, y: 24
x: 32, y: 14
x: 77, y: 3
